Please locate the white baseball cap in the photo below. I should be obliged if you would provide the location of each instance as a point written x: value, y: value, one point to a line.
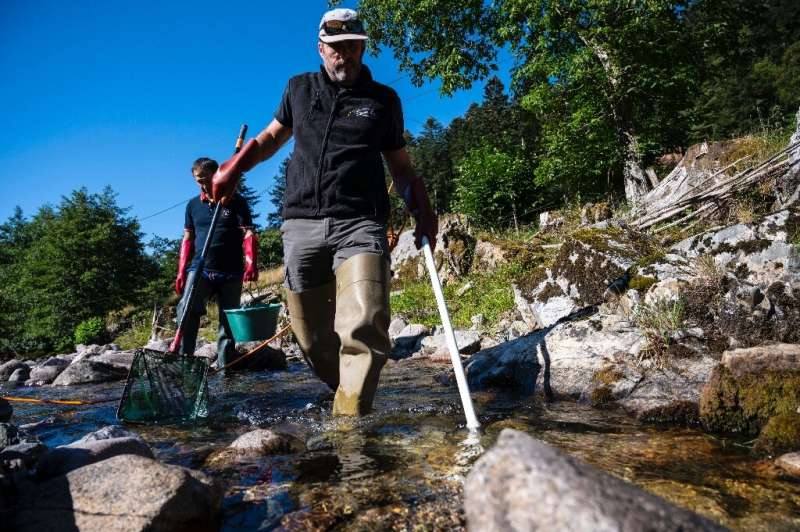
x: 341, y: 25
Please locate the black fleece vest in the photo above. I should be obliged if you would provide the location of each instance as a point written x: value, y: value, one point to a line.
x: 336, y: 167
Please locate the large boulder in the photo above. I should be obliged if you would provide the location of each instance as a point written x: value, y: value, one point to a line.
x: 66, y: 458
x: 8, y: 368
x: 47, y: 371
x: 85, y: 371
x: 587, y: 262
x: 125, y: 492
x: 523, y: 484
x: 761, y: 252
x: 750, y: 387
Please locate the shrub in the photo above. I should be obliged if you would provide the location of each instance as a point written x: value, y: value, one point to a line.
x: 90, y: 331
x: 659, y: 321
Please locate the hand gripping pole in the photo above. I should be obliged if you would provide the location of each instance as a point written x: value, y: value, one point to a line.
x: 450, y: 337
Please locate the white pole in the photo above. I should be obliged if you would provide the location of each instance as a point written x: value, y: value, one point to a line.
x: 450, y: 337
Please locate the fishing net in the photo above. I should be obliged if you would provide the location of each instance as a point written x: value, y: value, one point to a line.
x: 164, y: 387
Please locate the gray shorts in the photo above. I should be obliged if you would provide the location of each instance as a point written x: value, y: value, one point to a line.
x: 313, y: 249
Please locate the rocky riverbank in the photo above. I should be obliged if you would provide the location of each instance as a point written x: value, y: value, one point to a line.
x: 669, y: 360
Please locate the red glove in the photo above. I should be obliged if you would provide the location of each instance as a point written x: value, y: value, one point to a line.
x: 224, y: 182
x: 416, y: 198
x: 250, y: 257
x: 187, y: 252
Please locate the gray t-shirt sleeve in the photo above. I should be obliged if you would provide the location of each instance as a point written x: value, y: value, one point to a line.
x: 284, y: 112
x: 393, y: 138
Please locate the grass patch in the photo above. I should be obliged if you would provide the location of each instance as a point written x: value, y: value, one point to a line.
x: 659, y: 321
x: 490, y: 295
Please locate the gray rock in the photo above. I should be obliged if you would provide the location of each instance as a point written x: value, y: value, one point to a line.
x: 512, y: 364
x: 522, y: 484
x: 208, y: 350
x: 47, y: 371
x: 576, y: 351
x: 123, y: 493
x: 9, y: 435
x: 20, y: 375
x: 395, y: 326
x: 467, y: 341
x: 264, y: 442
x: 6, y: 411
x: 158, y: 345
x: 89, y: 371
x: 756, y: 248
x: 7, y: 368
x: 107, y: 433
x: 410, y: 335
x: 66, y: 458
x: 120, y: 359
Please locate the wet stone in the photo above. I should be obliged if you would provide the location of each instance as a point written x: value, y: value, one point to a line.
x: 123, y: 493
x: 524, y: 484
x: 66, y: 458
x: 22, y: 455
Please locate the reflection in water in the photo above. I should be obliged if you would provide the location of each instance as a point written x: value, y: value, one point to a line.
x: 402, y: 466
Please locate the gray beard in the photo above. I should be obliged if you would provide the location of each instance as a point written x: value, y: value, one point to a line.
x: 343, y: 76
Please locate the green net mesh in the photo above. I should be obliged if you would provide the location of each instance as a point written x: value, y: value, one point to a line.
x: 163, y: 387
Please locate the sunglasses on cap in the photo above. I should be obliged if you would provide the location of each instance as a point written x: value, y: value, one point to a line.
x: 339, y: 27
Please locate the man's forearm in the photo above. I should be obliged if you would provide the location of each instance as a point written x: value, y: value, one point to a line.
x: 270, y: 141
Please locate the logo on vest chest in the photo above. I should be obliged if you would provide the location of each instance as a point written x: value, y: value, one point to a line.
x: 362, y: 112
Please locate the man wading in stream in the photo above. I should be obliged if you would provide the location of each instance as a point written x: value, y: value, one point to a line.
x: 231, y: 259
x: 335, y: 209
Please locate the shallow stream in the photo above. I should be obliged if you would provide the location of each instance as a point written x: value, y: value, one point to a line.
x: 402, y: 466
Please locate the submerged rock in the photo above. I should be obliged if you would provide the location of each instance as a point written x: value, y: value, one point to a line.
x: 86, y: 371
x: 123, y: 493
x: 522, y: 484
x: 265, y: 442
x: 66, y: 458
x: 750, y: 386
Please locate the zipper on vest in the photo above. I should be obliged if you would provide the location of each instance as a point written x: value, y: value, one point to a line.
x: 322, y: 151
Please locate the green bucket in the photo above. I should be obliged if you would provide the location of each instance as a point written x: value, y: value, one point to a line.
x: 253, y: 323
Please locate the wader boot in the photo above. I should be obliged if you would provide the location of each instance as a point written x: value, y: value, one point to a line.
x: 362, y: 323
x: 311, y: 312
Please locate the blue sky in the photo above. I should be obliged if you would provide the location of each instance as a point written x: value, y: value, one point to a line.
x: 128, y: 94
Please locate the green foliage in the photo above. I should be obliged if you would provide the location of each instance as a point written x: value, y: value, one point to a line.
x: 750, y: 66
x: 80, y: 259
x: 270, y: 248
x: 659, y: 321
x: 493, y: 188
x: 90, y: 331
x: 430, y: 152
x: 274, y: 219
x: 250, y: 196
